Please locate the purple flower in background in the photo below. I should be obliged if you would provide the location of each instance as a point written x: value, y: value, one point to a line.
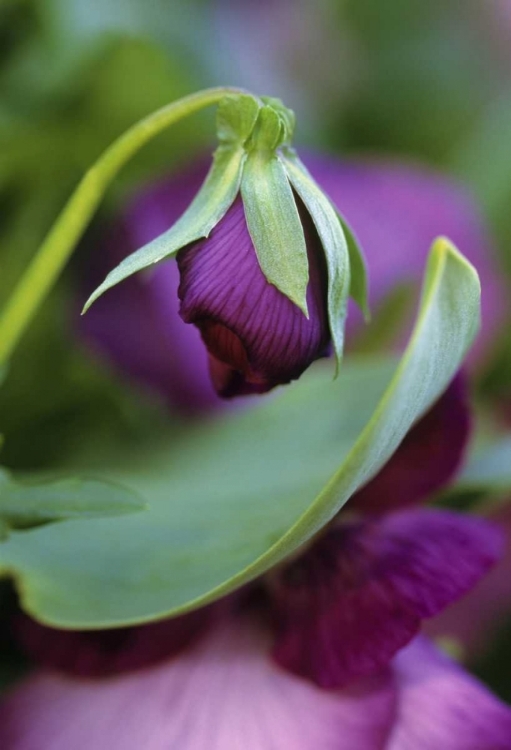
x: 322, y: 652
x: 395, y: 210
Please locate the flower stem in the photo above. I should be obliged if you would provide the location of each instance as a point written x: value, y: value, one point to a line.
x: 60, y: 241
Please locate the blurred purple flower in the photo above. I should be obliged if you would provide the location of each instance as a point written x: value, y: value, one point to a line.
x: 225, y: 693
x: 395, y: 210
x: 315, y: 654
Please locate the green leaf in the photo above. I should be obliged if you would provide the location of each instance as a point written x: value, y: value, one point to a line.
x: 334, y: 244
x: 207, y: 208
x: 272, y: 216
x: 236, y: 495
x: 27, y: 505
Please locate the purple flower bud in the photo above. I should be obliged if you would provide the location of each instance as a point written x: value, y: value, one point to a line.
x: 256, y: 337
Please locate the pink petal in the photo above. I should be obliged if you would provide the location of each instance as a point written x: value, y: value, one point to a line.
x: 443, y: 708
x: 225, y: 694
x: 360, y: 592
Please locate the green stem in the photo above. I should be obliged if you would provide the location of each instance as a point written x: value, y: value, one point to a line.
x: 60, y: 241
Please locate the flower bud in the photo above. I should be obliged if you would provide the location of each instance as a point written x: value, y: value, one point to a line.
x: 266, y: 265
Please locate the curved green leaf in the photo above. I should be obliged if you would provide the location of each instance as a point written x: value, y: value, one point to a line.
x: 233, y: 497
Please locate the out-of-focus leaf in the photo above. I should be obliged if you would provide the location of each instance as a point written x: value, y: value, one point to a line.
x: 488, y: 470
x: 25, y: 505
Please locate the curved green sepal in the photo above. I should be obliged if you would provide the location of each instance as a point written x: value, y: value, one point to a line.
x: 26, y: 505
x: 211, y: 203
x: 286, y: 115
x: 334, y: 244
x: 272, y: 216
x: 359, y: 285
x: 269, y: 479
x: 235, y: 118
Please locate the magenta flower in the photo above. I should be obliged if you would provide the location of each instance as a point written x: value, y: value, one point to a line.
x: 395, y: 210
x: 322, y: 652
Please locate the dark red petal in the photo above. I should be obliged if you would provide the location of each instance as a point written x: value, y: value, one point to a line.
x: 427, y: 458
x: 99, y: 653
x: 256, y: 336
x: 358, y: 595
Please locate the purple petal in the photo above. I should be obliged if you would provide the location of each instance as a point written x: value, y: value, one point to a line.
x: 477, y: 619
x: 443, y: 708
x: 397, y: 210
x: 256, y: 337
x: 427, y: 458
x: 108, y: 652
x: 225, y: 694
x: 358, y: 595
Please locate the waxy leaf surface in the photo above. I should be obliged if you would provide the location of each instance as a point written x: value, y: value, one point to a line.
x: 230, y: 498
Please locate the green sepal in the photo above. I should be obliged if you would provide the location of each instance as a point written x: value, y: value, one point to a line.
x: 286, y: 115
x: 25, y: 505
x: 359, y: 285
x: 271, y: 213
x: 269, y: 480
x: 236, y: 118
x: 334, y: 243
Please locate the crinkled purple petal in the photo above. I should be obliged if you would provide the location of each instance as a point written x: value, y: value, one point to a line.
x: 108, y: 652
x: 224, y: 694
x: 441, y: 707
x: 256, y: 337
x: 427, y: 458
x: 352, y: 600
x: 397, y: 210
x: 136, y: 326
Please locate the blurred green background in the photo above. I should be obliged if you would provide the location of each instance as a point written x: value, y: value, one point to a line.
x: 427, y: 82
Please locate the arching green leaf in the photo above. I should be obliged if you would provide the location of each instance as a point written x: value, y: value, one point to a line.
x: 233, y: 497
